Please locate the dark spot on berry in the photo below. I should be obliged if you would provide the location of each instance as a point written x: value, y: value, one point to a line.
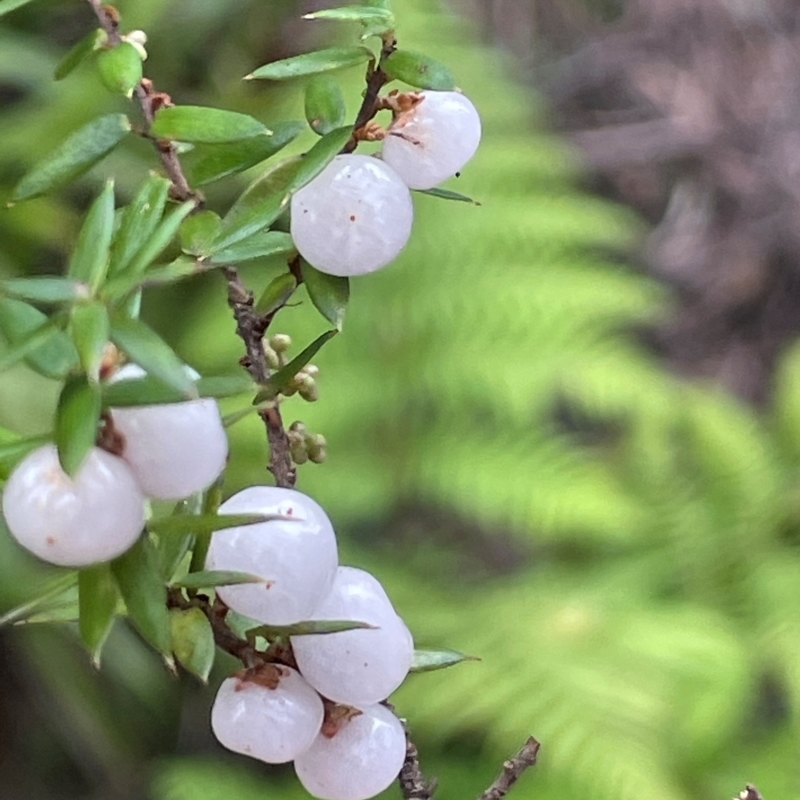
x: 352, y: 218
x: 50, y: 540
x: 458, y: 174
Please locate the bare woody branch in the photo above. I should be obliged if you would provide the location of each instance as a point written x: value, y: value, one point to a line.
x: 512, y: 770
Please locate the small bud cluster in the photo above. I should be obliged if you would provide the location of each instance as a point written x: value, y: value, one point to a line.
x: 304, y: 383
x: 356, y: 215
x: 166, y: 452
x: 325, y: 715
x: 306, y: 446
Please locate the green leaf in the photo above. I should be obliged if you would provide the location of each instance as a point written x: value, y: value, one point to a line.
x: 430, y: 660
x: 79, y: 152
x: 45, y: 289
x: 278, y: 291
x: 151, y: 391
x: 152, y: 354
x: 13, y: 449
x: 79, y: 52
x: 418, y: 70
x: 145, y: 594
x: 309, y: 628
x: 378, y: 20
x: 207, y: 163
x: 32, y: 336
x: 193, y: 641
x: 120, y: 68
x: 446, y: 194
x: 207, y: 125
x: 278, y: 380
x: 77, y: 418
x: 10, y: 5
x: 209, y: 579
x: 178, y: 524
x: 198, y: 231
x: 312, y: 63
x: 320, y: 155
x: 182, y: 267
x: 259, y: 245
x: 89, y: 325
x: 138, y: 221
x: 59, y: 590
x: 160, y: 238
x: 324, y: 104
x: 89, y: 260
x: 329, y: 293
x: 97, y: 605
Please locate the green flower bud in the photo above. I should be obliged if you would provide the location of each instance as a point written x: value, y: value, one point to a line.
x: 120, y: 68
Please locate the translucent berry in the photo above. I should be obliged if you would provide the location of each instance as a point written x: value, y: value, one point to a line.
x: 434, y: 140
x: 297, y: 558
x: 92, y: 517
x: 357, y: 667
x: 269, y: 713
x: 174, y: 449
x: 359, y: 761
x: 353, y: 218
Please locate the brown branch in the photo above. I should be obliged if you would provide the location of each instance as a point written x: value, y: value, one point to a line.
x: 512, y: 769
x: 749, y: 793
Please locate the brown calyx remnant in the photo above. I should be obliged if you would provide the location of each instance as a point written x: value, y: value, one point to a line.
x: 336, y: 717
x: 266, y: 675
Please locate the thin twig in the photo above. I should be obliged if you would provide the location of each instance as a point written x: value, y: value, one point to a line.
x: 413, y: 783
x: 512, y: 769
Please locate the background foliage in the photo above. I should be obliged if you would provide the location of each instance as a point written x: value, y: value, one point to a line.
x: 619, y: 547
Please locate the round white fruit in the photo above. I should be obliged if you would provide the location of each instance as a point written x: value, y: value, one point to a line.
x: 273, y: 715
x: 174, y: 449
x: 92, y: 517
x: 359, y: 761
x: 296, y: 557
x: 434, y: 140
x: 356, y: 667
x: 353, y: 218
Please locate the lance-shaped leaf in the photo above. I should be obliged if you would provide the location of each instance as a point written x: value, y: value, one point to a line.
x: 375, y: 19
x: 77, y: 418
x: 171, y: 550
x: 89, y: 260
x: 277, y: 292
x: 90, y: 327
x: 324, y: 104
x: 138, y: 221
x: 160, y: 238
x: 145, y: 594
x: 207, y: 125
x: 326, y: 60
x: 198, y: 231
x: 260, y: 245
x: 430, y: 660
x: 320, y: 155
x: 209, y: 579
x: 150, y: 391
x: 10, y: 5
x: 34, y: 337
x: 120, y: 68
x: 45, y: 289
x: 79, y: 52
x: 418, y: 70
x: 76, y: 154
x: 201, y: 524
x: 97, y: 605
x: 446, y: 194
x: 329, y: 293
x: 58, y: 593
x: 192, y: 641
x: 14, y: 448
x: 182, y: 267
x: 278, y: 380
x: 152, y: 354
x: 308, y: 628
x: 207, y: 163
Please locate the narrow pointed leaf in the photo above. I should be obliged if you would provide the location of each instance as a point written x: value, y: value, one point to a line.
x: 171, y: 550
x: 207, y: 125
x: 198, y: 231
x: 11, y: 5
x: 430, y: 660
x: 79, y: 52
x: 120, y: 68
x: 326, y: 60
x: 89, y: 261
x: 90, y: 327
x: 207, y: 163
x: 32, y: 336
x: 446, y: 194
x: 138, y: 221
x: 151, y: 391
x: 278, y: 291
x: 77, y: 418
x: 208, y: 579
x: 324, y: 104
x: 309, y: 628
x: 75, y: 155
x: 182, y: 267
x: 281, y: 378
x: 152, y: 354
x: 418, y: 70
x: 320, y: 155
x: 144, y: 593
x: 59, y: 590
x: 97, y: 605
x: 329, y: 293
x: 260, y: 245
x: 192, y: 641
x: 160, y: 238
x: 13, y: 449
x: 379, y: 20
x: 178, y: 524
x: 45, y: 289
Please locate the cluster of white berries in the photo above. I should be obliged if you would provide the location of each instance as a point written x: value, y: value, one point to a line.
x: 168, y: 452
x: 347, y: 747
x: 356, y: 215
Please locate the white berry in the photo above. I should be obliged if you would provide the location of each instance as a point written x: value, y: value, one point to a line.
x: 359, y: 761
x: 271, y: 714
x: 434, y: 140
x: 94, y: 516
x: 357, y: 667
x: 297, y: 558
x: 353, y: 218
x: 174, y: 449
